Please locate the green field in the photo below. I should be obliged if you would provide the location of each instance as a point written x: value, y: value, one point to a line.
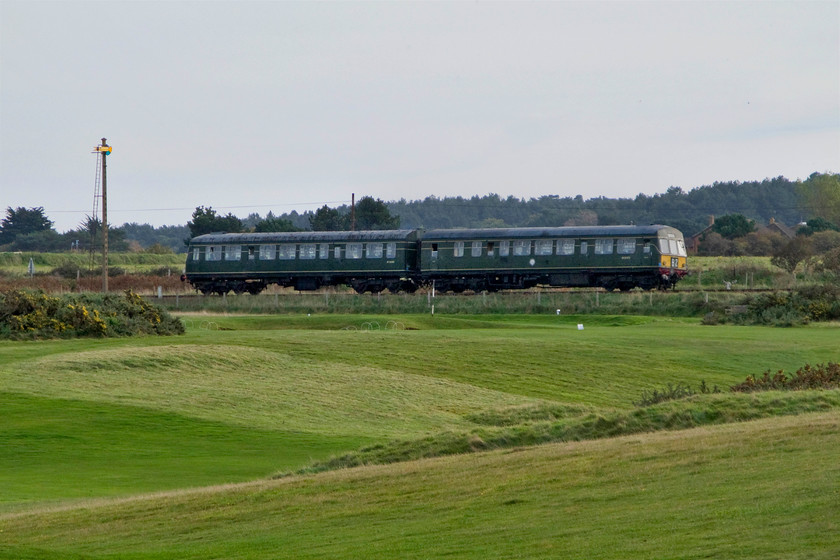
x: 185, y: 447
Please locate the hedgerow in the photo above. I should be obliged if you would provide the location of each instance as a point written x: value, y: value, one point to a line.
x: 786, y: 309
x: 36, y: 315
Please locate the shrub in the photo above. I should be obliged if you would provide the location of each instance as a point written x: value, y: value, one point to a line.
x: 25, y: 314
x: 807, y: 377
x: 671, y: 393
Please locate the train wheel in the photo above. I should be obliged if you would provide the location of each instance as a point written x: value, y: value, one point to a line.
x: 255, y: 288
x: 408, y: 287
x: 359, y: 285
x: 205, y: 289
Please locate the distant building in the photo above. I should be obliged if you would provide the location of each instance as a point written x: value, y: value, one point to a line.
x: 779, y: 227
x: 692, y: 244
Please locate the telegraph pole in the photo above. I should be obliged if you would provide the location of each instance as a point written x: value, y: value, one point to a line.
x: 352, y: 211
x: 103, y: 151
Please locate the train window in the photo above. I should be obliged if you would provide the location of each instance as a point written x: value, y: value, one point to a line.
x: 390, y: 250
x: 266, y: 252
x: 475, y: 249
x: 286, y: 251
x: 584, y: 248
x: 353, y: 251
x: 544, y: 246
x: 337, y: 251
x: 307, y: 250
x: 195, y: 253
x: 681, y: 248
x: 214, y: 253
x: 521, y: 248
x: 250, y: 252
x: 626, y: 246
x: 490, y: 248
x: 324, y: 250
x: 434, y: 250
x: 603, y: 246
x: 459, y: 249
x: 565, y: 246
x: 374, y: 250
x: 504, y: 248
x: 646, y: 249
x: 233, y: 252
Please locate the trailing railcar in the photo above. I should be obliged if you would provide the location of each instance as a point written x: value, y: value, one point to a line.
x: 612, y: 257
x: 248, y: 262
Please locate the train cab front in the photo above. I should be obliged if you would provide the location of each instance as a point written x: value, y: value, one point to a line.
x: 672, y: 259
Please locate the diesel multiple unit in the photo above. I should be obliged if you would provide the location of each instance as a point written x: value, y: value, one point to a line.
x: 611, y: 257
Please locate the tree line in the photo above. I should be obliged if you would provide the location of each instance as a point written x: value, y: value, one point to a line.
x: 757, y: 202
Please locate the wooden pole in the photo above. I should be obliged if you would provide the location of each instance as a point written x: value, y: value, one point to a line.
x: 104, y: 218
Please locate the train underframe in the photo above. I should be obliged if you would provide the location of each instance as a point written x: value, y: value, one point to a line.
x: 662, y: 279
x: 623, y: 281
x: 208, y: 285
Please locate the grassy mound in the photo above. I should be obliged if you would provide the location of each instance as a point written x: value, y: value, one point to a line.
x: 550, y: 424
x: 35, y: 315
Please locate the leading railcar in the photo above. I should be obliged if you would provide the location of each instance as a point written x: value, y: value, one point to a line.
x: 611, y: 257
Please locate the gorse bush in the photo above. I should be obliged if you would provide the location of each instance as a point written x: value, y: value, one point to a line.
x: 807, y: 377
x: 25, y: 314
x: 819, y: 377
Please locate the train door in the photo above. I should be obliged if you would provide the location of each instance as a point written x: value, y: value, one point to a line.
x: 647, y: 252
x: 434, y: 256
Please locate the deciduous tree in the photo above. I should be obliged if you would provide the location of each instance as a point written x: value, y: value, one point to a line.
x: 820, y: 194
x: 732, y: 226
x: 789, y: 256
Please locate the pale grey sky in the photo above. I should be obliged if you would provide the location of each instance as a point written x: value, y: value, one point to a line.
x: 258, y: 106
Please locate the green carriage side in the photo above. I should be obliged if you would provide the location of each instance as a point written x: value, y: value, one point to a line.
x: 612, y: 257
x: 248, y: 262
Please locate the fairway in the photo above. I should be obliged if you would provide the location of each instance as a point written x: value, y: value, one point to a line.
x: 148, y: 428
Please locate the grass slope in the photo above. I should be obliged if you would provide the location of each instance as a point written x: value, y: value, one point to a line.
x: 251, y: 396
x: 755, y: 490
x: 57, y: 449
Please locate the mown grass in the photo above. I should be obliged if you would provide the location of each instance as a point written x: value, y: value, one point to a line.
x: 764, y: 489
x: 58, y: 449
x: 107, y: 420
x: 548, y: 357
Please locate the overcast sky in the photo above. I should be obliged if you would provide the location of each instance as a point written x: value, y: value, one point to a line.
x: 258, y: 106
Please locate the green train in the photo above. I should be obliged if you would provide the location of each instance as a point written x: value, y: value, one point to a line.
x: 611, y: 257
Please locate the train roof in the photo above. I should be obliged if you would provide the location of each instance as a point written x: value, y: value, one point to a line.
x: 539, y: 232
x: 414, y: 234
x: 304, y: 237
